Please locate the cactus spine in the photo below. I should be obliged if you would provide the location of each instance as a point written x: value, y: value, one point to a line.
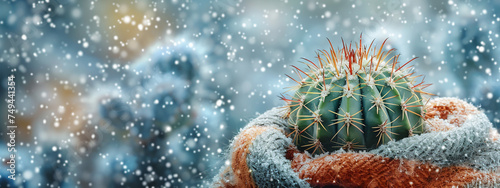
x: 355, y: 99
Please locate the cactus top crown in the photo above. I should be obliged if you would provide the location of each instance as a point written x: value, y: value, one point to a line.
x: 355, y: 98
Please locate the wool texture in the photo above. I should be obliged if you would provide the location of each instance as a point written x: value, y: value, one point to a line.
x: 267, y: 158
x: 369, y: 170
x: 446, y: 113
x: 239, y: 173
x: 465, y: 154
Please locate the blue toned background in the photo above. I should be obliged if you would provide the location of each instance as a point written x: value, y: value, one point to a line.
x: 149, y: 93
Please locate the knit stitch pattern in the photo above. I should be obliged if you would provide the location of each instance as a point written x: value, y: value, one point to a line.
x: 464, y: 156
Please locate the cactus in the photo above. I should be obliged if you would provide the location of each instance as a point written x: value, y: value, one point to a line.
x: 354, y: 99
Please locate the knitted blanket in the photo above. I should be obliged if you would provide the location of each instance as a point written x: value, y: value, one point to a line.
x: 466, y: 153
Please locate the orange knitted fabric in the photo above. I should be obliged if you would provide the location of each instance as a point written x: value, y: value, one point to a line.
x: 364, y: 169
x: 242, y: 175
x: 443, y: 114
x: 358, y: 170
x: 352, y: 169
x: 368, y: 170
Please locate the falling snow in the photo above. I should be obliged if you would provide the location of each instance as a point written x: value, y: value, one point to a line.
x: 150, y: 93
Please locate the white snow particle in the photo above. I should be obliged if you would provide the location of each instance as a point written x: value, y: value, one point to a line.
x: 489, y: 95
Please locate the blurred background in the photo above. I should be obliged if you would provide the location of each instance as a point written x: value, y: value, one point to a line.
x: 149, y: 93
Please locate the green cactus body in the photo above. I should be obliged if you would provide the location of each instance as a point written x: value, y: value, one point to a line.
x: 355, y: 99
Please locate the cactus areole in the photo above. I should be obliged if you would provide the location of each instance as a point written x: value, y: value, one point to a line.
x: 354, y: 98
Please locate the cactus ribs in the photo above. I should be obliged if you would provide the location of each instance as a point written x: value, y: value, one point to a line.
x: 354, y: 98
